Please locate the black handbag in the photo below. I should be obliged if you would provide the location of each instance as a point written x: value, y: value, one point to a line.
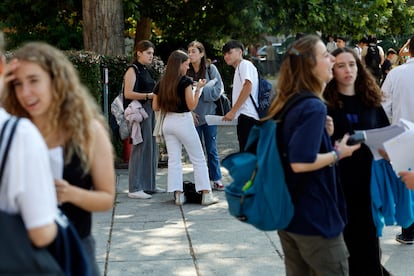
x: 223, y: 105
x: 191, y: 195
x: 68, y: 249
x: 17, y: 254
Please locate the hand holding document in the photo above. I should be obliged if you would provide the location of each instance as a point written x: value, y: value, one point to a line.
x: 376, y: 138
x: 397, y: 140
x: 400, y: 150
x: 218, y: 120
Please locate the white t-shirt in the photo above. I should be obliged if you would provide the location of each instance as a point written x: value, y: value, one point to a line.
x: 27, y: 186
x: 246, y: 71
x: 399, y: 94
x: 358, y: 51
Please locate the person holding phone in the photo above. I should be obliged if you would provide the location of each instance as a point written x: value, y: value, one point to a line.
x: 354, y: 103
x: 201, y: 68
x: 174, y: 97
x: 312, y: 243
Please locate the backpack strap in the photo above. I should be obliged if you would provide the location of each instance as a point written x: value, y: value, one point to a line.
x: 14, y: 120
x: 209, y: 72
x: 292, y: 101
x: 137, y: 72
x: 258, y: 91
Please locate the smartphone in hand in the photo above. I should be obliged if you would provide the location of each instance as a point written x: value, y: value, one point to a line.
x: 357, y: 138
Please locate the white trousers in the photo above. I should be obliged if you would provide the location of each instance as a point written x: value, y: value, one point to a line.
x: 178, y: 130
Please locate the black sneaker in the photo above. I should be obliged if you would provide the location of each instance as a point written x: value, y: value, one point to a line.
x: 403, y: 239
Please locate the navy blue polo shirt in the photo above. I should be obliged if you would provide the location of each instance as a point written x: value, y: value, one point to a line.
x: 317, y: 196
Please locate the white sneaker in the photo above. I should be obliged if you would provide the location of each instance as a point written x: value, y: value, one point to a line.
x: 179, y: 198
x: 208, y: 199
x: 160, y: 190
x: 139, y: 195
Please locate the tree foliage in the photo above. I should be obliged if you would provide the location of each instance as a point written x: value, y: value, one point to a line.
x: 204, y: 19
x: 176, y: 22
x: 352, y: 18
x: 57, y: 22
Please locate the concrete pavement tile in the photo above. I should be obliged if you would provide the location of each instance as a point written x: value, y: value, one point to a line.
x: 215, y: 211
x: 149, y: 237
x: 394, y: 254
x: 226, y: 239
x: 159, y: 208
x: 257, y: 266
x: 101, y: 232
x: 149, y: 241
x: 179, y: 267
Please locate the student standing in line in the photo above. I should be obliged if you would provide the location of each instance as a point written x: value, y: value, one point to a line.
x: 362, y: 43
x: 340, y: 41
x: 354, y: 103
x: 175, y: 98
x: 47, y: 90
x: 245, y: 83
x: 312, y: 243
x: 331, y: 44
x: 143, y: 161
x: 201, y: 69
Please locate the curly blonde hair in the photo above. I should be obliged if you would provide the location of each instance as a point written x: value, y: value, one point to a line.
x: 72, y: 111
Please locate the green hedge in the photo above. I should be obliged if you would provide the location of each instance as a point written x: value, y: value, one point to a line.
x: 91, y: 67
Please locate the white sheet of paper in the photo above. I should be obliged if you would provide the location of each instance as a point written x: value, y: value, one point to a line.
x: 56, y: 162
x: 406, y: 124
x: 376, y: 138
x: 218, y: 120
x: 399, y: 150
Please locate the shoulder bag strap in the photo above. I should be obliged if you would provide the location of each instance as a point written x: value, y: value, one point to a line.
x: 14, y: 120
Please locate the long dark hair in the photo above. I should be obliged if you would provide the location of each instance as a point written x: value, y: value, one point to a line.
x: 168, y: 88
x: 366, y: 86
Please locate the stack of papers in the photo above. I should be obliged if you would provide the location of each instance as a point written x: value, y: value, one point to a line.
x: 378, y: 136
x: 397, y: 140
x: 218, y: 120
x: 400, y: 150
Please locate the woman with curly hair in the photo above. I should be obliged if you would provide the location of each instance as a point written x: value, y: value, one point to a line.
x: 47, y: 90
x: 354, y: 103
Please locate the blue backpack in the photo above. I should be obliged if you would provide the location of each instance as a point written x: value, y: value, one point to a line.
x: 264, y: 98
x: 259, y: 194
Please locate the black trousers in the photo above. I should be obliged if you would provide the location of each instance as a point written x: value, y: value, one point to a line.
x: 408, y: 232
x: 244, y: 125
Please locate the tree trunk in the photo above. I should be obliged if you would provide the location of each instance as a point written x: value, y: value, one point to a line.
x: 103, y: 26
x: 143, y: 29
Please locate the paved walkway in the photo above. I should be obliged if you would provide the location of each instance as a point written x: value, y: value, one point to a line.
x: 156, y: 237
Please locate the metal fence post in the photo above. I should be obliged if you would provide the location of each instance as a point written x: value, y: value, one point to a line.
x: 106, y: 92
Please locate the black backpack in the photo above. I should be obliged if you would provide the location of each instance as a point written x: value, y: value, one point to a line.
x: 373, y: 60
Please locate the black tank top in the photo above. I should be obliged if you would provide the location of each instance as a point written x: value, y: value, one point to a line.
x: 144, y: 82
x: 74, y: 174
